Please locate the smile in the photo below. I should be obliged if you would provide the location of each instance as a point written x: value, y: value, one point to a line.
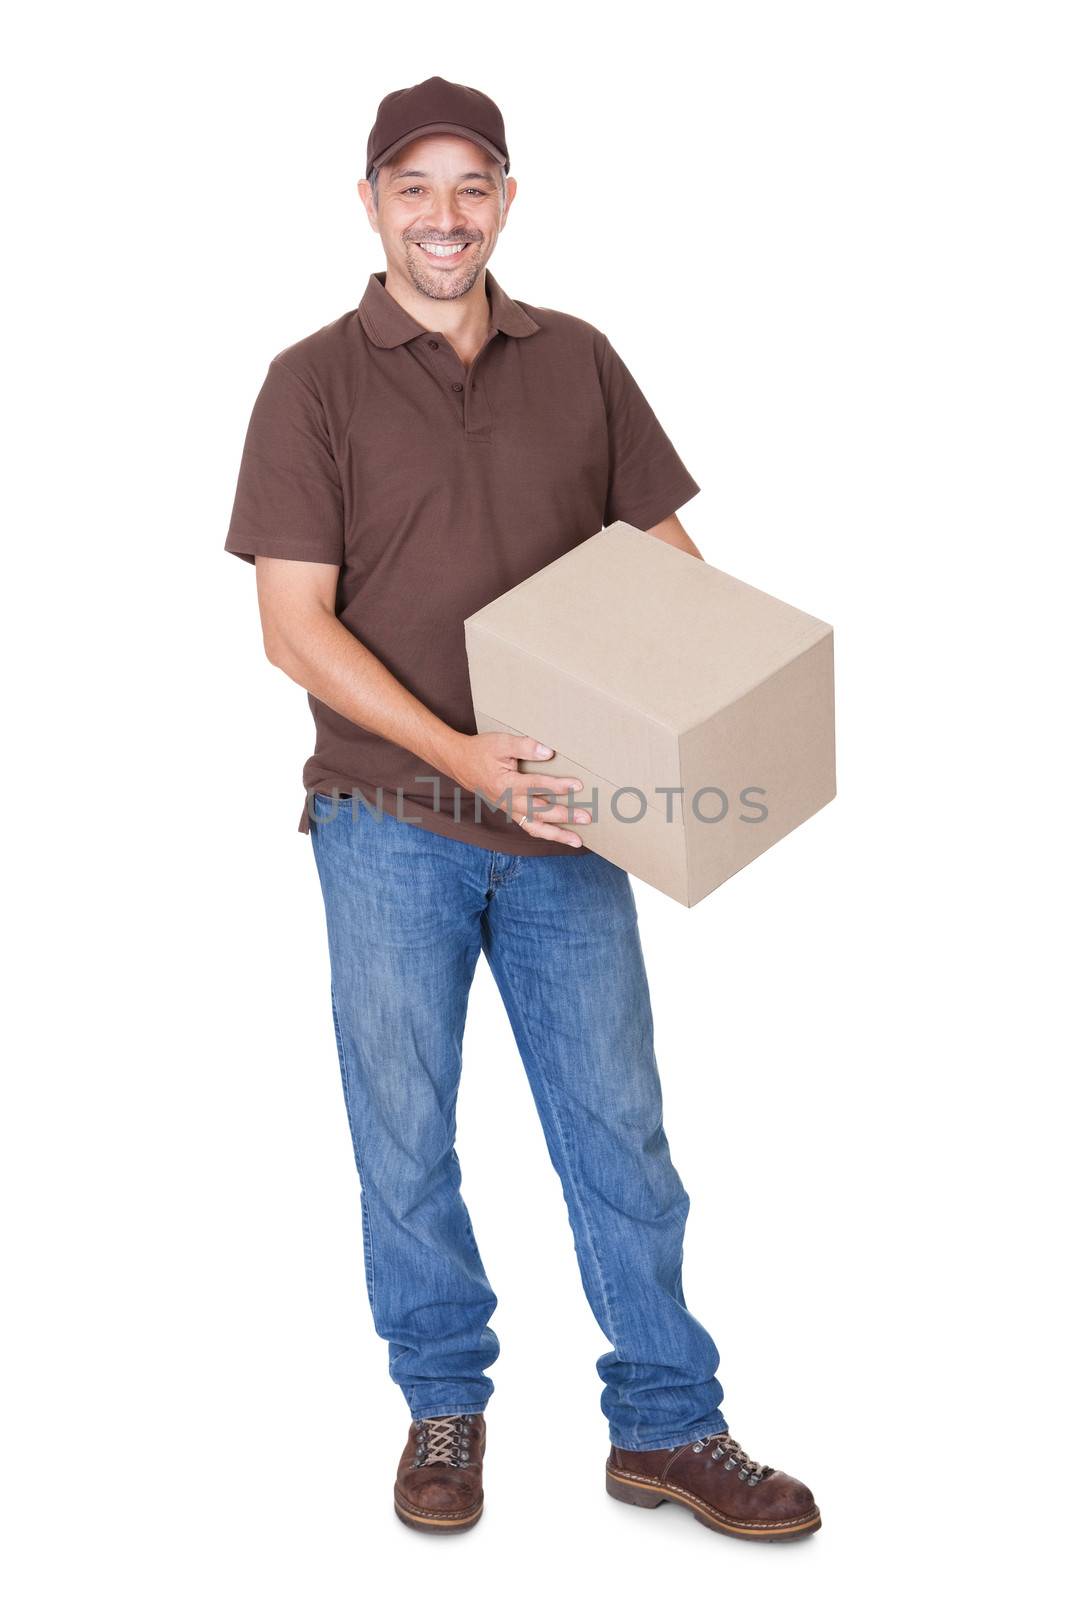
x: 444, y: 250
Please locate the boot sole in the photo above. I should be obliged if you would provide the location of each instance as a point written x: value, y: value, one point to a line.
x: 631, y: 1493
x: 427, y: 1524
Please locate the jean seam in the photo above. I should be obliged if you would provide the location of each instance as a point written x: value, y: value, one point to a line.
x: 609, y: 1299
x: 609, y: 1304
x: 368, y: 1242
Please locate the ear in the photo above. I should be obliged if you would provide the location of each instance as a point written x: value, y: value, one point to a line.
x: 510, y: 187
x: 366, y: 194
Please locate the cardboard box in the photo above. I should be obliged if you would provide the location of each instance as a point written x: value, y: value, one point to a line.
x: 698, y: 711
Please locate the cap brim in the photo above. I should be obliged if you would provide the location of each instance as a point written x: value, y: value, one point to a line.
x: 440, y: 127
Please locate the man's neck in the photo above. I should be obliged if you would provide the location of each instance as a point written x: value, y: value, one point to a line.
x: 464, y: 321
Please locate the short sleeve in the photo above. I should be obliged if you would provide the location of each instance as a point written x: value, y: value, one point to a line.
x: 648, y: 479
x: 289, y: 501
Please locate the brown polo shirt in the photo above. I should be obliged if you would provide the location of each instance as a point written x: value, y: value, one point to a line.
x: 434, y: 488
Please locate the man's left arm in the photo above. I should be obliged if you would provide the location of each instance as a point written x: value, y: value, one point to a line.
x: 648, y: 481
x: 672, y: 532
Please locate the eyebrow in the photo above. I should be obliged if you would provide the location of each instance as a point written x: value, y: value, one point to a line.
x: 410, y: 172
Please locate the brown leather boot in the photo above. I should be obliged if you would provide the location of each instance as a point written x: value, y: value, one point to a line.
x: 439, y: 1479
x: 722, y: 1486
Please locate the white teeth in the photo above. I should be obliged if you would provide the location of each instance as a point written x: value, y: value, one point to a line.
x: 443, y: 249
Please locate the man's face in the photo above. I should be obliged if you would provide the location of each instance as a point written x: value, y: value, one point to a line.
x: 445, y: 191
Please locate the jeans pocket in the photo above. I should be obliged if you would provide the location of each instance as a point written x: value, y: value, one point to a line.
x: 327, y: 808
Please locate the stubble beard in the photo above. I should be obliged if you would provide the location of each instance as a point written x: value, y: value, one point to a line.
x: 444, y: 285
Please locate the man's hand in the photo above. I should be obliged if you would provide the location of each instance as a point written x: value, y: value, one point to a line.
x: 488, y: 763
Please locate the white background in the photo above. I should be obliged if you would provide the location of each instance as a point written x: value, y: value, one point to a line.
x: 828, y: 239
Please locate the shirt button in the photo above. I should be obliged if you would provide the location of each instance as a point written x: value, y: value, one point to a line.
x: 458, y: 387
x: 434, y: 345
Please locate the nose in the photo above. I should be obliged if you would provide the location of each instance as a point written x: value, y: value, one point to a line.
x: 445, y: 216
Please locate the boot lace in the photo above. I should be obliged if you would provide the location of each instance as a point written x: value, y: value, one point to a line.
x: 725, y: 1445
x: 443, y: 1441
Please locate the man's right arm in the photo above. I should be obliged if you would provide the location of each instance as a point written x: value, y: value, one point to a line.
x: 305, y: 639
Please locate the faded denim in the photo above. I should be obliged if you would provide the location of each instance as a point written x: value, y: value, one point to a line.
x: 408, y: 913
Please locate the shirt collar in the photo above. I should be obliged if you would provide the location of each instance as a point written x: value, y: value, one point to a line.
x: 387, y: 324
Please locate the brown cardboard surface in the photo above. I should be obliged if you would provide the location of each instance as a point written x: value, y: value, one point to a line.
x: 645, y: 668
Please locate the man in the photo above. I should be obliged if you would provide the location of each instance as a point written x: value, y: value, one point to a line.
x: 404, y: 465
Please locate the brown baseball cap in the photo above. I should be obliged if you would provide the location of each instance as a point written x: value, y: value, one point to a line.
x: 436, y: 106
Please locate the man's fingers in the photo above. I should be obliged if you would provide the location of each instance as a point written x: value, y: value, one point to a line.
x: 539, y: 782
x: 531, y: 749
x: 540, y: 815
x: 521, y: 748
x: 546, y: 830
x: 538, y: 811
x: 518, y: 747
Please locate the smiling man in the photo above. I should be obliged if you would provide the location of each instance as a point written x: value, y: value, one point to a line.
x: 404, y: 465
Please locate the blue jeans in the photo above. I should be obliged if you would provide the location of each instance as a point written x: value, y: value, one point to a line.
x: 408, y: 912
